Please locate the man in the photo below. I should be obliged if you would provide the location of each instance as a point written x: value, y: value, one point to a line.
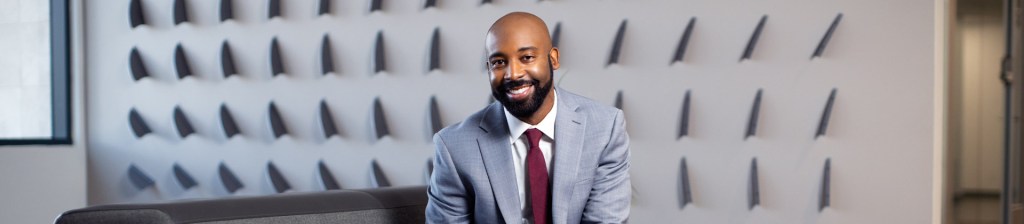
x: 539, y: 154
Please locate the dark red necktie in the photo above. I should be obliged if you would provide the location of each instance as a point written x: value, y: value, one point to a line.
x: 537, y: 171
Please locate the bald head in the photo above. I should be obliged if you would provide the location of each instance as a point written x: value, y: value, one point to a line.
x: 520, y: 23
x: 517, y: 31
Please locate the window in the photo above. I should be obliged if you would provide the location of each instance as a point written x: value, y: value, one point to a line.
x: 35, y: 99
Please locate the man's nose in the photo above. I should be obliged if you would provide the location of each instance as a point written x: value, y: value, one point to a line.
x: 515, y: 71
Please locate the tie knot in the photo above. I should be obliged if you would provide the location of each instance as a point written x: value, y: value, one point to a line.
x: 533, y: 135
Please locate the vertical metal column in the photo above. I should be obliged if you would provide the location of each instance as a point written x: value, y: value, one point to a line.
x: 1011, y: 67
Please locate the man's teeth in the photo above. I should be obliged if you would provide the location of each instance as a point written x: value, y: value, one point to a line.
x: 518, y: 90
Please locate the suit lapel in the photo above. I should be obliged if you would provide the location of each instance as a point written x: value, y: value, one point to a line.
x: 569, y: 132
x: 496, y: 152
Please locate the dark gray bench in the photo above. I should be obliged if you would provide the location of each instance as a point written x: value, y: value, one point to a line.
x: 379, y: 205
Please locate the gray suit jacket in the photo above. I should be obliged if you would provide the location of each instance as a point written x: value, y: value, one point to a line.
x: 474, y: 182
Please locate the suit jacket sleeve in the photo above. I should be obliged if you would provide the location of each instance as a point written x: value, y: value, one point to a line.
x: 447, y: 197
x: 610, y: 196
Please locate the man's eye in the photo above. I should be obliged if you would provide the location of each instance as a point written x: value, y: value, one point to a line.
x: 498, y: 63
x: 528, y: 58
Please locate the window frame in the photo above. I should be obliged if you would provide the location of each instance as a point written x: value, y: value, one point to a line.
x: 60, y: 79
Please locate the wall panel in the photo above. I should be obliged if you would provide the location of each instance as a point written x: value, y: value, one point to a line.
x: 880, y: 134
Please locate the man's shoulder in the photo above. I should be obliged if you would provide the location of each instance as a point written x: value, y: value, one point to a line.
x: 587, y: 106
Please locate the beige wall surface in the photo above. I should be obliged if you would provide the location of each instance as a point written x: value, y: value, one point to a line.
x: 976, y: 111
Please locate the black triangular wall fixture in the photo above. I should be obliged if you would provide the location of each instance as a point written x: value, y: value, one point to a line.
x: 139, y: 126
x: 181, y: 62
x: 685, y: 197
x: 618, y: 100
x: 326, y: 56
x: 276, y: 179
x: 137, y: 66
x: 227, y: 122
x: 828, y: 36
x: 613, y: 57
x: 182, y: 124
x: 378, y: 53
x: 434, y: 113
x: 482, y: 2
x: 435, y: 50
x: 180, y: 12
x: 380, y: 124
x: 273, y: 8
x: 753, y: 189
x: 140, y: 180
x: 826, y: 115
x: 556, y: 34
x: 429, y: 3
x: 327, y: 120
x: 755, y: 111
x: 184, y: 179
x: 684, y: 41
x: 684, y: 117
x: 228, y: 178
x: 377, y: 177
x: 326, y: 178
x: 135, y: 15
x: 323, y: 7
x: 825, y: 196
x: 227, y: 60
x: 276, y: 63
x: 227, y: 11
x: 747, y: 52
x: 376, y: 5
x: 277, y: 126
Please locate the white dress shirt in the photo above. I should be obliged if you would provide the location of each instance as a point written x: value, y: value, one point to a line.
x: 520, y: 146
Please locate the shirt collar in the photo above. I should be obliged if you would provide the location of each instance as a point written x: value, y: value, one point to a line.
x: 517, y: 127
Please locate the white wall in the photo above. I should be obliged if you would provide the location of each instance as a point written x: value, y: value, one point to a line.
x: 882, y: 137
x: 40, y: 182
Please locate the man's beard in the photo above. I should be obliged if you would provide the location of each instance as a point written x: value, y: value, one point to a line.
x: 530, y: 105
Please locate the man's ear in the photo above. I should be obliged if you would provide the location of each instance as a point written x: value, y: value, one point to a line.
x: 553, y: 56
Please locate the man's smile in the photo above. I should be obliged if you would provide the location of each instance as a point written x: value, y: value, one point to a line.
x: 520, y: 93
